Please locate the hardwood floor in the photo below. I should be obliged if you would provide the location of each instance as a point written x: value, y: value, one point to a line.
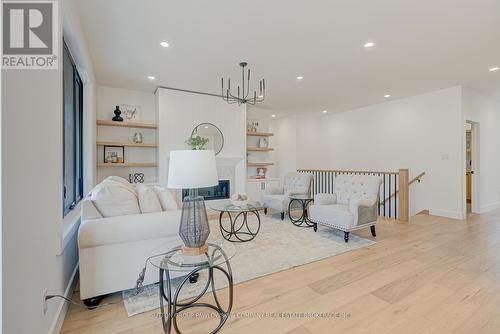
x: 433, y: 275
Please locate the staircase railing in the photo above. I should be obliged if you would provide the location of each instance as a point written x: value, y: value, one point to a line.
x: 394, y: 190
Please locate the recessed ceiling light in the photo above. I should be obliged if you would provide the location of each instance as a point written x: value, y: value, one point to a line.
x: 300, y: 77
x: 494, y: 69
x: 387, y: 95
x: 150, y: 77
x: 369, y: 45
x: 273, y: 116
x: 325, y: 111
x: 164, y: 44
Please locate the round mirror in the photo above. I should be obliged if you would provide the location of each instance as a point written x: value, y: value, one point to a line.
x: 214, y: 139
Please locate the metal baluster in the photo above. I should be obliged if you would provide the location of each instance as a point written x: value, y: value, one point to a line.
x: 384, y: 195
x: 390, y: 194
x: 395, y: 197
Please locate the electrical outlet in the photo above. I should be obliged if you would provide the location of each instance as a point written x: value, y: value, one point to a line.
x: 44, y: 301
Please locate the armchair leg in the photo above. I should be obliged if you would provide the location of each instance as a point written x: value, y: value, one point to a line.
x: 372, y: 229
x: 282, y: 216
x: 346, y: 236
x: 265, y: 211
x: 315, y: 227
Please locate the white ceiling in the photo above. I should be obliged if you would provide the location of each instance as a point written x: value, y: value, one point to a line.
x: 420, y: 46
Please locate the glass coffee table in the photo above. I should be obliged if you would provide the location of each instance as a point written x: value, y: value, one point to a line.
x: 303, y: 220
x: 239, y: 227
x: 173, y: 263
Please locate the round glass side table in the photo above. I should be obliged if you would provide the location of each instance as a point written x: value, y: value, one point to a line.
x: 188, y: 267
x: 239, y: 228
x: 304, y: 201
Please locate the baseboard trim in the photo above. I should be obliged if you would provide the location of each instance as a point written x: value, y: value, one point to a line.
x: 447, y: 214
x: 58, y: 321
x: 489, y: 207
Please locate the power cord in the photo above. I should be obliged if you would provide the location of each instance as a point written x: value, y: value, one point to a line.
x: 78, y: 304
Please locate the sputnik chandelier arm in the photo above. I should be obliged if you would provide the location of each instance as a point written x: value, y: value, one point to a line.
x: 241, y: 96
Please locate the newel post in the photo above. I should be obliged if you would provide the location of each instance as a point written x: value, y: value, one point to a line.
x: 404, y: 195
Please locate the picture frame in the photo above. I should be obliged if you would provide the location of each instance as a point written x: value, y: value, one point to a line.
x: 252, y: 125
x: 114, y: 154
x: 130, y: 113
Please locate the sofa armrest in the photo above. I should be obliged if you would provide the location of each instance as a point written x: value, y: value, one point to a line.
x: 325, y: 199
x: 89, y: 211
x: 364, y: 209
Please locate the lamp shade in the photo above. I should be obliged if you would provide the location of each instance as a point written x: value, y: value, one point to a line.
x: 190, y: 169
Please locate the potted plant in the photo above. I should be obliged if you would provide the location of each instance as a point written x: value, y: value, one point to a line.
x: 197, y: 142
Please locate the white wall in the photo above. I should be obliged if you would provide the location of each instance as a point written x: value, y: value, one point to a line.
x: 285, y: 143
x: 485, y: 111
x: 37, y: 254
x: 422, y: 133
x: 107, y: 99
x: 179, y: 112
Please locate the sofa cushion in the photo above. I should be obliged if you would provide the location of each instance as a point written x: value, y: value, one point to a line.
x: 113, y: 198
x: 113, y: 230
x: 166, y: 198
x: 276, y: 202
x: 148, y: 201
x: 335, y: 215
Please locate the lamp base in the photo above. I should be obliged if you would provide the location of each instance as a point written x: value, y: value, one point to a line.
x: 192, y: 251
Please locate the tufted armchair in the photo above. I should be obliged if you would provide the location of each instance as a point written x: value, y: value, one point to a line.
x: 352, y: 205
x: 293, y: 184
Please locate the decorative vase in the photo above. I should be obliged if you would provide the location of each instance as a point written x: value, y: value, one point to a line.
x: 194, y: 228
x: 137, y: 138
x: 117, y: 117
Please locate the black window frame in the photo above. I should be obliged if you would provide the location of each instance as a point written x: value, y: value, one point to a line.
x: 77, y: 139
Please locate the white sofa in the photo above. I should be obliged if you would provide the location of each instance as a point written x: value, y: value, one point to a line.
x: 293, y: 184
x: 352, y: 205
x: 113, y: 250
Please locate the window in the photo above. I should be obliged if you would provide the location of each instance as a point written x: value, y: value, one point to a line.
x: 72, y: 129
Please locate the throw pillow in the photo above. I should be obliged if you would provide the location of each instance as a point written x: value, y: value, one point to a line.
x: 148, y: 201
x: 166, y: 198
x: 113, y: 198
x: 122, y: 181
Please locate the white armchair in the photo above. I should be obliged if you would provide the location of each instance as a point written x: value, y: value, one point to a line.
x: 352, y: 205
x: 293, y: 184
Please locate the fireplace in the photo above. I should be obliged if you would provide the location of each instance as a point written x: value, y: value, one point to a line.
x: 220, y: 191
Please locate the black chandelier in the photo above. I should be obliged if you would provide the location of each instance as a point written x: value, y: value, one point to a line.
x: 242, y: 96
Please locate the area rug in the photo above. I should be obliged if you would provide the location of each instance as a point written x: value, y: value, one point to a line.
x: 278, y: 246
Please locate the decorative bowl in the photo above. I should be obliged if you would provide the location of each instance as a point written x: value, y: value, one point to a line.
x: 239, y: 203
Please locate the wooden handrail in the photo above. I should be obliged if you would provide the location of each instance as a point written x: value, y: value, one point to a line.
x: 415, y: 179
x: 345, y: 171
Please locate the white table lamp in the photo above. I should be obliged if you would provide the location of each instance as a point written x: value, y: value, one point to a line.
x: 193, y: 169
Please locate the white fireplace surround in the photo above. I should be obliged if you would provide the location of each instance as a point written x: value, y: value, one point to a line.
x: 228, y: 168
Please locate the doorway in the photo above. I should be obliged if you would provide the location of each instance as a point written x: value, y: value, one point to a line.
x: 471, y: 166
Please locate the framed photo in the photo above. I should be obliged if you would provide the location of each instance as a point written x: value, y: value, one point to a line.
x: 114, y: 154
x: 252, y: 125
x: 261, y: 173
x: 130, y: 113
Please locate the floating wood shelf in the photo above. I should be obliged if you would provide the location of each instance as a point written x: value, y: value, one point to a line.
x: 260, y: 134
x: 260, y: 149
x: 127, y: 124
x: 126, y: 144
x: 128, y: 164
x: 259, y: 164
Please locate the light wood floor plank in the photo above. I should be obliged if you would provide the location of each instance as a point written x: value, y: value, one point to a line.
x: 432, y: 275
